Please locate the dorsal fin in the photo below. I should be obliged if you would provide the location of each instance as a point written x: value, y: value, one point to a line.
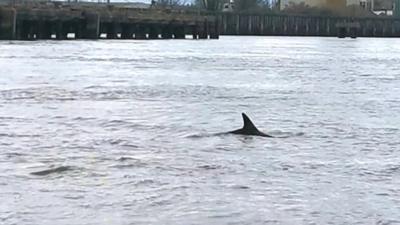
x: 248, y: 126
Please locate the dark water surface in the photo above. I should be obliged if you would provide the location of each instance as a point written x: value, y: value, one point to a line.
x: 120, y: 132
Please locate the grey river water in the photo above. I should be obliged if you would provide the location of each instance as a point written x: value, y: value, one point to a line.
x: 127, y: 131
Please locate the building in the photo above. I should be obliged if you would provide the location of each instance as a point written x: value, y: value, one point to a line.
x: 384, y: 4
x: 384, y: 7
x: 356, y: 7
x: 365, y: 4
x: 333, y: 4
x: 228, y: 6
x: 329, y: 4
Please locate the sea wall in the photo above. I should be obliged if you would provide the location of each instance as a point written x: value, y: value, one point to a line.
x: 291, y: 25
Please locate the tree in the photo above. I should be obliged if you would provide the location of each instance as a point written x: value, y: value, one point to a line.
x: 302, y: 8
x: 210, y: 5
x: 243, y: 5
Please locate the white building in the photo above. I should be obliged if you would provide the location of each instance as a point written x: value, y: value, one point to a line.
x: 228, y: 6
x: 332, y: 4
x: 311, y: 3
x: 366, y: 4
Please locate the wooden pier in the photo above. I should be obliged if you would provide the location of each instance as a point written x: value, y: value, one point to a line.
x: 93, y: 21
x: 61, y: 21
x: 348, y: 29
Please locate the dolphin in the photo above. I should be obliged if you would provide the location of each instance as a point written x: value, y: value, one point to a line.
x: 249, y: 128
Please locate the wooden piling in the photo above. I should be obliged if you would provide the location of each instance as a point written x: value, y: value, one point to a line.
x: 195, y: 32
x: 92, y: 25
x: 8, y: 23
x: 179, y: 32
x: 140, y: 32
x: 127, y: 31
x: 154, y: 32
x: 166, y: 32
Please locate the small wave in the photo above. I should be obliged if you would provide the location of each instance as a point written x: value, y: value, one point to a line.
x: 283, y: 134
x: 38, y: 94
x: 197, y: 136
x: 118, y: 142
x: 7, y: 118
x: 387, y: 222
x: 209, y: 167
x: 94, y: 87
x: 51, y: 171
x: 145, y: 182
x: 129, y: 162
x: 79, y: 118
x: 127, y: 158
x: 14, y: 154
x: 72, y: 197
x: 114, y: 123
x: 19, y: 135
x: 129, y: 165
x: 277, y: 134
x: 241, y: 187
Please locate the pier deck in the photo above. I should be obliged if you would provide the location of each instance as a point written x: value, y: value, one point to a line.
x: 58, y: 21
